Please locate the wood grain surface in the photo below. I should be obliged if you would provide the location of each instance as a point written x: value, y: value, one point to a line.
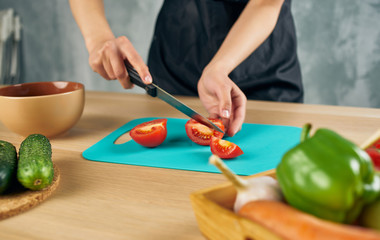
x: 110, y: 201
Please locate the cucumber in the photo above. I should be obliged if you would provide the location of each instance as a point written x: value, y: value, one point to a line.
x: 35, y: 167
x: 8, y: 165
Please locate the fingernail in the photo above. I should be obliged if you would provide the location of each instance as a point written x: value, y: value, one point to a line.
x: 148, y: 79
x: 231, y: 133
x: 225, y: 113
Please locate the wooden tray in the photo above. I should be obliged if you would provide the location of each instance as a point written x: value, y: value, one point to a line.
x: 216, y: 219
x: 21, y: 200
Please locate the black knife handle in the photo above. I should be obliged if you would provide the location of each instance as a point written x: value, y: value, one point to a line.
x: 135, y: 79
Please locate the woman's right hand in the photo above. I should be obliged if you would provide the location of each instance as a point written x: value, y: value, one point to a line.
x: 107, y: 53
x: 107, y: 59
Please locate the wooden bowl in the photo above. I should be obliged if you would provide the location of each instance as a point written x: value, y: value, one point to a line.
x: 48, y: 108
x: 213, y: 208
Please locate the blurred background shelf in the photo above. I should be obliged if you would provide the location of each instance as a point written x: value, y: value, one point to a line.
x: 10, y: 36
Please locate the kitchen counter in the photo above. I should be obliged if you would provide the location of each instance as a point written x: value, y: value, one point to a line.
x: 111, y: 201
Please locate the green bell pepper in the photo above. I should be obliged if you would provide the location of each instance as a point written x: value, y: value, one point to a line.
x: 328, y: 176
x: 370, y: 216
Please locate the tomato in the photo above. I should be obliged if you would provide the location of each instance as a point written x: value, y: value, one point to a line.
x: 150, y: 134
x: 374, y: 153
x: 201, y: 134
x: 225, y: 149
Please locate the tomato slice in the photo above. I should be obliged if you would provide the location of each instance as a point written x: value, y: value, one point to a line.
x: 225, y: 149
x: 150, y: 134
x: 202, y: 134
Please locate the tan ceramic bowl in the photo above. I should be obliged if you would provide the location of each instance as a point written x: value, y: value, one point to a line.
x: 48, y: 108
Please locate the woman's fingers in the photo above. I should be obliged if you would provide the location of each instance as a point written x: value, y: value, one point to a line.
x: 119, y: 70
x: 239, y: 102
x: 223, y: 99
x: 108, y: 61
x: 96, y: 63
x: 129, y: 52
x: 108, y: 68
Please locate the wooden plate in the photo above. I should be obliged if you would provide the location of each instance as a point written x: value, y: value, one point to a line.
x: 21, y: 200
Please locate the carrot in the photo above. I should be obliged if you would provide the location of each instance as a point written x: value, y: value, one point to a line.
x: 293, y: 224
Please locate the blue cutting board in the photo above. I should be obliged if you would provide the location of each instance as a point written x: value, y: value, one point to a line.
x: 263, y: 147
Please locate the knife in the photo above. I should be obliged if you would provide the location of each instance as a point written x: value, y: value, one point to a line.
x: 155, y: 91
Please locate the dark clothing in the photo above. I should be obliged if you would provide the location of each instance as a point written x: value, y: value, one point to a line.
x: 188, y: 33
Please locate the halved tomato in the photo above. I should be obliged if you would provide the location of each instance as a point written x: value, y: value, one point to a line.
x: 225, y: 149
x: 150, y: 134
x: 374, y: 153
x: 201, y: 134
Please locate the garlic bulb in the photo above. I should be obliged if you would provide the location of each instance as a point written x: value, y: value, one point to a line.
x: 251, y: 189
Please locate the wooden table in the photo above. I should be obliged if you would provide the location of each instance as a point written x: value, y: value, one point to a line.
x: 111, y: 201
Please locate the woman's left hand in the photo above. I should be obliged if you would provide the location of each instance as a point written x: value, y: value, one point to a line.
x: 222, y: 98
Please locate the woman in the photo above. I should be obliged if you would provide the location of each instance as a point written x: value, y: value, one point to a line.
x: 223, y: 51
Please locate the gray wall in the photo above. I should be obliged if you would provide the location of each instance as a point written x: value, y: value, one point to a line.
x: 339, y: 51
x: 339, y: 45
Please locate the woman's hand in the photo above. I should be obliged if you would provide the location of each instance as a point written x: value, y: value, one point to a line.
x: 218, y: 93
x: 222, y: 98
x: 107, y: 53
x: 107, y: 58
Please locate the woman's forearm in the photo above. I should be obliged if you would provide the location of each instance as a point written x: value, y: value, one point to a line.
x: 253, y: 26
x: 92, y: 22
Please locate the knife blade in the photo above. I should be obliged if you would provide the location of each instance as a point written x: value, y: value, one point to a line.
x: 155, y: 91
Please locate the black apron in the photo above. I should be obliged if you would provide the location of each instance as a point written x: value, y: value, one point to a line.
x: 188, y: 33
